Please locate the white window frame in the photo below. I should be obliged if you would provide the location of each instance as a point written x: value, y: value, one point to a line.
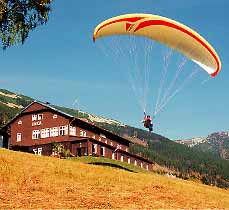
x: 46, y: 132
x: 35, y: 151
x: 122, y: 158
x: 135, y: 162
x: 54, y: 116
x: 95, y: 146
x: 39, y: 151
x: 72, y: 130
x: 19, y: 122
x: 83, y: 133
x: 103, y: 136
x: 36, y: 134
x: 63, y: 130
x: 141, y: 165
x: 54, y: 132
x: 147, y: 167
x: 19, y: 137
x: 103, y: 153
x: 128, y: 160
x: 43, y: 134
x: 34, y: 117
x: 113, y: 155
x: 39, y: 117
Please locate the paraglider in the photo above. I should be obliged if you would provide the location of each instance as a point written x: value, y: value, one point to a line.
x: 168, y: 32
x: 148, y: 122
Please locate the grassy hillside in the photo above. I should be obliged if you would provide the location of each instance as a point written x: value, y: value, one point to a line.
x: 186, y: 162
x: 29, y: 181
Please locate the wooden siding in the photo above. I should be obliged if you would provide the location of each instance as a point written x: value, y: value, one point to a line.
x: 80, y: 144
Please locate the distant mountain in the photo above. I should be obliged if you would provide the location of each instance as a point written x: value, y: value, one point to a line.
x: 192, y: 142
x: 216, y: 143
x: 182, y: 161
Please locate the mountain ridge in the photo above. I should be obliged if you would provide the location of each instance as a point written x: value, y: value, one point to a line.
x: 217, y: 143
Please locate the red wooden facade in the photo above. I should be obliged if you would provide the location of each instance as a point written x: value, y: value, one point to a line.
x: 40, y: 124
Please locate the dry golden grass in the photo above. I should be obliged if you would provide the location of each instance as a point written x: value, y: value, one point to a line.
x: 28, y: 181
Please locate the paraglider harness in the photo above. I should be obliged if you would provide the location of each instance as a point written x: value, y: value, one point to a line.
x: 148, y: 122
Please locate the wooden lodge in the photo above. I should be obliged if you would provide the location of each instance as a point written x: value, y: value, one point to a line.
x: 39, y: 124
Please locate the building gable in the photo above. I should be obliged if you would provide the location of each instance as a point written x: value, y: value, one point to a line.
x: 35, y: 106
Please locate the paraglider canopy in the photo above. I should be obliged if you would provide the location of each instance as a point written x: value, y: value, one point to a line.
x: 166, y: 31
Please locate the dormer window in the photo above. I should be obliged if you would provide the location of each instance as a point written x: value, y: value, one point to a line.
x: 19, y: 122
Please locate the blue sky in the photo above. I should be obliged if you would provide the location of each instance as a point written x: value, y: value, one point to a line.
x: 59, y: 63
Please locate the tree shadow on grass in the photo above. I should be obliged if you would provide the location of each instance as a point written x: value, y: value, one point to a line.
x: 112, y: 165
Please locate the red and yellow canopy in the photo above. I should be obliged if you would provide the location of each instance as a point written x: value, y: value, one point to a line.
x: 166, y: 31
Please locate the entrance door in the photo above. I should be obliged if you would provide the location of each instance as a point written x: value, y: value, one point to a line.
x: 78, y: 152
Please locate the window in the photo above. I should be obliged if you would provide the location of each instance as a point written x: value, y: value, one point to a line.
x: 19, y: 122
x: 72, y: 131
x: 113, y: 155
x: 39, y: 151
x: 43, y: 133
x: 54, y: 116
x: 36, y: 134
x: 18, y: 137
x: 83, y: 133
x: 128, y: 160
x: 34, y: 117
x: 147, y: 167
x: 111, y: 143
x: 135, y: 162
x: 63, y: 131
x: 126, y: 149
x: 103, y: 136
x: 39, y: 116
x: 94, y: 148
x: 122, y: 158
x: 102, y: 151
x: 141, y: 164
x: 35, y: 151
x: 47, y: 132
x: 54, y: 132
